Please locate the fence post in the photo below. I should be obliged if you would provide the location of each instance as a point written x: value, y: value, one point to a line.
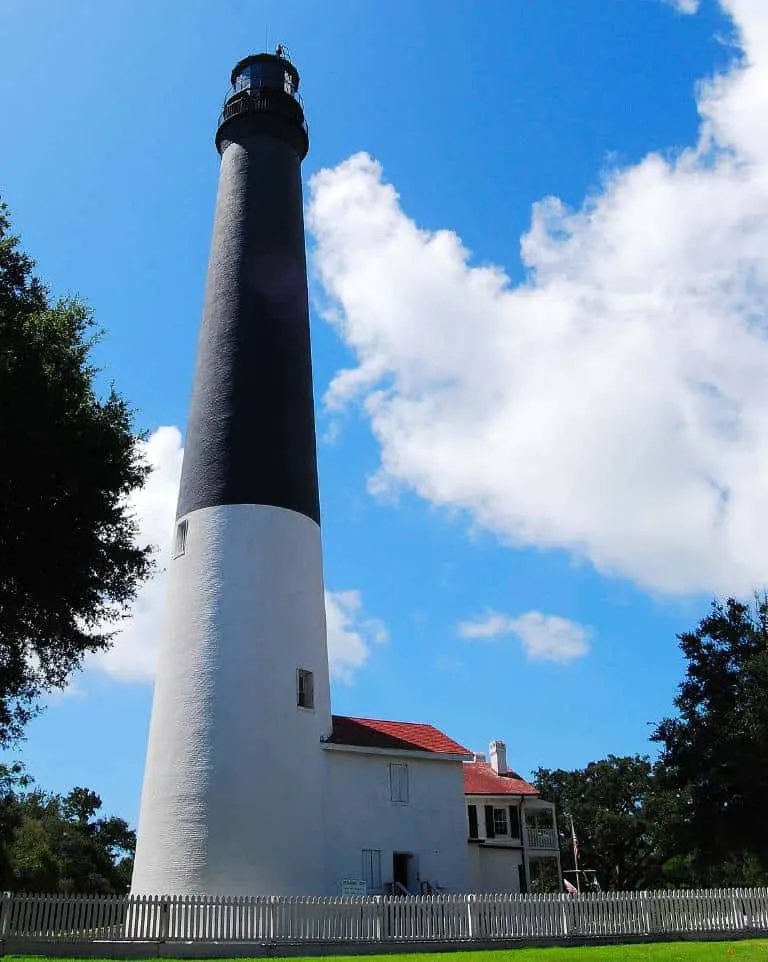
x: 738, y: 916
x: 645, y: 915
x: 4, y: 913
x: 386, y: 918
x: 164, y: 918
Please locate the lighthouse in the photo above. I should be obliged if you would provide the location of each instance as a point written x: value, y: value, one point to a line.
x: 232, y: 799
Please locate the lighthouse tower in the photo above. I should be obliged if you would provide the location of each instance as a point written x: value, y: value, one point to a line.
x: 232, y: 800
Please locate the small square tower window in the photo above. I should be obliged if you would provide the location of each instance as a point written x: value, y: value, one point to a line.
x: 180, y: 544
x: 305, y: 689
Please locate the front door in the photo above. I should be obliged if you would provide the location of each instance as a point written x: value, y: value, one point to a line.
x: 401, y: 871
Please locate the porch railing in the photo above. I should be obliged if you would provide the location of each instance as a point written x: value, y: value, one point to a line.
x: 541, y: 838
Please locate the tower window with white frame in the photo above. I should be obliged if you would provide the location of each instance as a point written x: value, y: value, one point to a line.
x: 180, y: 542
x: 305, y: 688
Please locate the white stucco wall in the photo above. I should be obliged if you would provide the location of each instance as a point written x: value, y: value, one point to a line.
x: 494, y: 869
x: 360, y: 815
x: 232, y: 800
x: 473, y: 861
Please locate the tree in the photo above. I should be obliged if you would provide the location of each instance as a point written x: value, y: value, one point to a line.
x: 69, y: 565
x: 609, y: 802
x: 714, y: 756
x: 55, y: 843
x: 13, y: 779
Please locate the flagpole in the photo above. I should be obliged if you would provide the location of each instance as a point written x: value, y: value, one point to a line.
x: 576, y: 857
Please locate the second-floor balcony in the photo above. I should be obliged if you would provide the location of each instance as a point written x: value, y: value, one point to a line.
x: 540, y: 838
x: 498, y: 823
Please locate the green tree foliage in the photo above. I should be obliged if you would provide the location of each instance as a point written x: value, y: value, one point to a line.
x: 609, y: 801
x: 69, y: 565
x: 714, y: 756
x: 12, y: 779
x: 55, y: 843
x: 544, y: 876
x: 696, y: 817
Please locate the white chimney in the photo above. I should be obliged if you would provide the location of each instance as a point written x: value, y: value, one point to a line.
x: 498, y: 753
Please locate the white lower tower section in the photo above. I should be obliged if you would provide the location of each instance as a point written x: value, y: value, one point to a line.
x: 232, y: 802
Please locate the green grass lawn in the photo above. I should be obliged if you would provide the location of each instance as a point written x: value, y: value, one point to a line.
x: 658, y: 952
x: 747, y: 951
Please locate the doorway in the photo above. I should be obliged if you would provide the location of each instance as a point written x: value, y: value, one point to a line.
x: 402, y: 872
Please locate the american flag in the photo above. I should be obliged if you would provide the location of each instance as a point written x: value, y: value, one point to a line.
x: 575, y: 842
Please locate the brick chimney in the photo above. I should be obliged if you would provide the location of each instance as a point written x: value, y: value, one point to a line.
x: 498, y: 752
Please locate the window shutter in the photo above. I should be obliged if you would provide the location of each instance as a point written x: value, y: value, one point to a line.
x: 372, y: 868
x: 398, y: 782
x: 490, y: 831
x: 472, y: 813
x: 514, y: 821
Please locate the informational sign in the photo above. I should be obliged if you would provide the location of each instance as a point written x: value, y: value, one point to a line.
x: 353, y: 888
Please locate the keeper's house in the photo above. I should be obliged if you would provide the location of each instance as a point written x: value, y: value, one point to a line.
x: 410, y: 811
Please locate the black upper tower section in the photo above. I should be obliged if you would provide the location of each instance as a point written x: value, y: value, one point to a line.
x: 266, y: 85
x: 251, y: 429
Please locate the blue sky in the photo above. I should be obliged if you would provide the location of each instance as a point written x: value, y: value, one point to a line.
x: 537, y: 235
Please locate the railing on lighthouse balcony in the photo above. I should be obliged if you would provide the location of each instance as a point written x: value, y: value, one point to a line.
x: 268, y: 84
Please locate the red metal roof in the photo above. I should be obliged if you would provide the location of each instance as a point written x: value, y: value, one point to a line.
x: 481, y: 779
x: 402, y: 736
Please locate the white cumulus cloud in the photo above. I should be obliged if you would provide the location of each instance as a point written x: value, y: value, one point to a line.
x: 615, y: 404
x: 133, y: 657
x: 684, y: 6
x: 543, y: 637
x: 350, y: 634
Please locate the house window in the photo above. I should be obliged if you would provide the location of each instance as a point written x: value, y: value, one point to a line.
x: 180, y: 545
x: 372, y: 868
x: 398, y: 783
x: 305, y: 689
x: 472, y: 816
x: 500, y: 821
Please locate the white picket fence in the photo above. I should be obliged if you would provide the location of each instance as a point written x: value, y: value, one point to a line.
x: 443, y: 918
